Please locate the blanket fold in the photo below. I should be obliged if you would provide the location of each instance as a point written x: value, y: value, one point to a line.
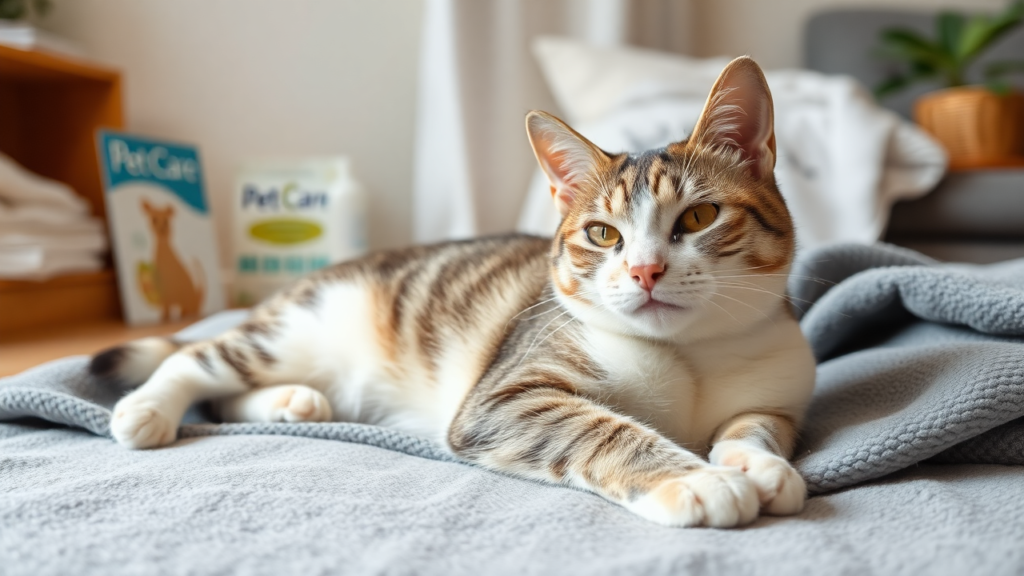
x: 917, y: 361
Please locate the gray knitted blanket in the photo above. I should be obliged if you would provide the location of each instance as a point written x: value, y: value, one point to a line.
x: 917, y: 361
x: 920, y: 363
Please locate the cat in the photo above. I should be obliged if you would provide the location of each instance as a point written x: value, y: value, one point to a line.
x: 172, y: 280
x: 651, y: 333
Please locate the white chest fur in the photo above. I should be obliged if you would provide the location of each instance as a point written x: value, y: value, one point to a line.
x: 686, y: 392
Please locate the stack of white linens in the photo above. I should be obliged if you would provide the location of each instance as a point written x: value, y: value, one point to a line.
x: 45, y: 228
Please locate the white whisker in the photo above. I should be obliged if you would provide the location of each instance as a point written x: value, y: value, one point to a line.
x: 530, y: 308
x: 754, y: 308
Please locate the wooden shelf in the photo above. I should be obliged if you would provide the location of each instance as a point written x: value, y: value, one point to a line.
x: 37, y: 65
x: 70, y: 299
x: 50, y: 109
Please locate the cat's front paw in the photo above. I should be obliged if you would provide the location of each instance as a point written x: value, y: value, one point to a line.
x: 709, y: 496
x: 140, y: 423
x: 780, y: 488
x: 300, y: 404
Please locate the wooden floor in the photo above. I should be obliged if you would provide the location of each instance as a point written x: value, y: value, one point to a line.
x: 31, y: 348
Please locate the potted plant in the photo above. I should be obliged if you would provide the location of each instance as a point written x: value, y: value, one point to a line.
x: 980, y: 126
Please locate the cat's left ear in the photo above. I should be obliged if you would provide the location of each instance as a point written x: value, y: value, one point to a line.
x: 739, y: 114
x: 566, y: 157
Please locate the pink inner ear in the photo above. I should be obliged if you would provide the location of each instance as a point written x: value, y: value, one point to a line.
x: 740, y: 115
x: 563, y: 154
x: 754, y: 134
x: 559, y: 177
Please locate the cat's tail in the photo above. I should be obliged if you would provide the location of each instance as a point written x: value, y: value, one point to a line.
x: 132, y: 363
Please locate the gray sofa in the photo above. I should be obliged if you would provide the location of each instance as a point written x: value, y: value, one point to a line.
x: 972, y: 216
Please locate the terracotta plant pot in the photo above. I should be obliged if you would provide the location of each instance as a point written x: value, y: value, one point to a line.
x: 976, y: 126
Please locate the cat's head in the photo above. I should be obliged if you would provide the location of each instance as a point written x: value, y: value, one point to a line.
x: 159, y: 218
x: 689, y: 241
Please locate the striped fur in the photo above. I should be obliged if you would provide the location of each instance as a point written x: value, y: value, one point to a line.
x: 551, y: 359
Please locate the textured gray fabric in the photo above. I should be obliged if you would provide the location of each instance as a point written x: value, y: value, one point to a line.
x: 915, y: 358
x: 72, y: 503
x: 63, y: 392
x: 918, y: 362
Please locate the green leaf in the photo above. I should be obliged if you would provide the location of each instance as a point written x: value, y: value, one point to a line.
x: 12, y: 9
x: 912, y: 47
x: 980, y: 32
x: 923, y: 68
x: 895, y: 84
x: 973, y: 39
x: 950, y: 26
x: 891, y: 86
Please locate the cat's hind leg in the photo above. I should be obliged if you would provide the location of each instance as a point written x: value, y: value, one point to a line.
x: 285, y: 403
x: 237, y: 362
x: 149, y: 416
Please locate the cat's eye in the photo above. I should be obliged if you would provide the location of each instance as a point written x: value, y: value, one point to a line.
x: 603, y: 235
x: 698, y: 218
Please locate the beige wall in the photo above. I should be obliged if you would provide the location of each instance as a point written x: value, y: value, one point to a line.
x: 772, y: 30
x: 256, y: 78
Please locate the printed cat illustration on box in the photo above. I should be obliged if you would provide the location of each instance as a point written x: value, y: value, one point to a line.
x: 170, y: 279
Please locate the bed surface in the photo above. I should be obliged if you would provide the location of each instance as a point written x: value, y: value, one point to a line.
x: 286, y: 505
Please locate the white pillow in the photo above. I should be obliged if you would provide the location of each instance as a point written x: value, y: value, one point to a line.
x: 842, y: 160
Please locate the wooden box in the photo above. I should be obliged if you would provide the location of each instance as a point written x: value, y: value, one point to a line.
x: 50, y: 108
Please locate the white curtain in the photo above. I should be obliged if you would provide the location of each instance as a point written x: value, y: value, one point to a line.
x: 477, y: 81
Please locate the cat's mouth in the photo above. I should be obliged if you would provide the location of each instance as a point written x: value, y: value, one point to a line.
x: 653, y: 305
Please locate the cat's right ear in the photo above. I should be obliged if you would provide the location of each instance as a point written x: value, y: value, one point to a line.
x: 147, y: 207
x: 566, y: 157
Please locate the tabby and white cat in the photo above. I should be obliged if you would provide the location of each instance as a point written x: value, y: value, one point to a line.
x: 651, y: 332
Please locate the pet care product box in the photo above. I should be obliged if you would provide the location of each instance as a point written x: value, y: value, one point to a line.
x: 161, y: 229
x: 291, y: 218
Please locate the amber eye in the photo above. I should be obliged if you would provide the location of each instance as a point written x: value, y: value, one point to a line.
x: 603, y: 235
x: 698, y: 218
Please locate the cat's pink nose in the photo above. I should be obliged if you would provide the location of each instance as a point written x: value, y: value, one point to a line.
x: 647, y: 275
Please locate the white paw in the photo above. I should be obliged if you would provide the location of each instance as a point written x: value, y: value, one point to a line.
x: 780, y: 488
x: 300, y: 404
x: 140, y: 423
x: 709, y: 496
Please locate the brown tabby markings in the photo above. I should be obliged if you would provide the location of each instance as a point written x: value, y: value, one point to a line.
x: 777, y: 432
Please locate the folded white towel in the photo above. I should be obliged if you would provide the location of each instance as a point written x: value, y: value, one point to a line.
x: 82, y: 226
x: 39, y: 263
x: 45, y: 228
x: 20, y: 187
x: 34, y: 214
x: 86, y: 242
